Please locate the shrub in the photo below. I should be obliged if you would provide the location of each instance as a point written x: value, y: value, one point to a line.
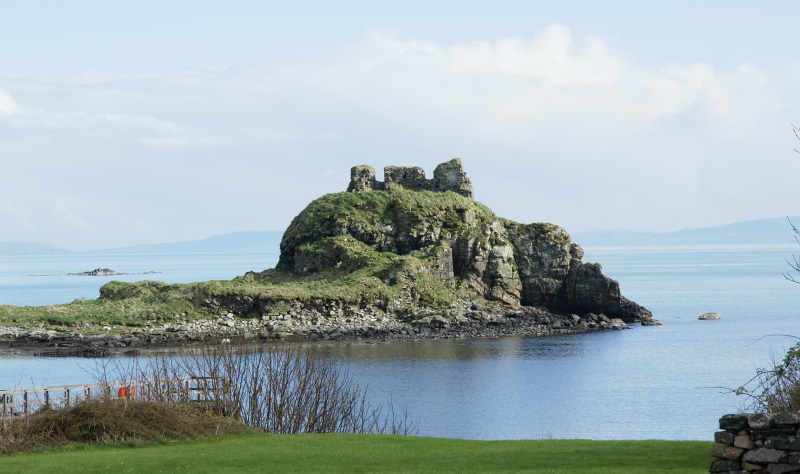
x: 282, y: 388
x: 775, y: 388
x: 106, y: 420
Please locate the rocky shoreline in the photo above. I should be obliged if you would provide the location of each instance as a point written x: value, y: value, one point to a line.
x: 468, y: 323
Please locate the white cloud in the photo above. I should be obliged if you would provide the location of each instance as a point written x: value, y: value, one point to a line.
x: 8, y: 105
x: 558, y: 128
x: 91, y: 78
x: 551, y: 55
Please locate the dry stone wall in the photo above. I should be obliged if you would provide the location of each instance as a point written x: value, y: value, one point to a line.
x: 760, y: 443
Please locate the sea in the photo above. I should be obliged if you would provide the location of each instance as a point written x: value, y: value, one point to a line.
x: 663, y: 382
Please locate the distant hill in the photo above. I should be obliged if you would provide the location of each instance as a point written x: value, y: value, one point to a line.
x: 244, y: 241
x: 762, y: 231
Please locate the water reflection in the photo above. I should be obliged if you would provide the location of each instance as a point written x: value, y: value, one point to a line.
x: 553, y: 347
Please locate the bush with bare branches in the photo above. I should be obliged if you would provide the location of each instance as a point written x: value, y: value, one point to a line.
x: 279, y: 388
x: 776, y: 388
x: 282, y: 388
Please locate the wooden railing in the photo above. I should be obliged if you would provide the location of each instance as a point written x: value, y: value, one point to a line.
x: 18, y: 402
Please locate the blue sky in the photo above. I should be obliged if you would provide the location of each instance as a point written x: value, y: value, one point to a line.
x: 128, y: 122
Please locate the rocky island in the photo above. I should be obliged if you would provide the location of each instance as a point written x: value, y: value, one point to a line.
x: 107, y: 272
x: 406, y: 257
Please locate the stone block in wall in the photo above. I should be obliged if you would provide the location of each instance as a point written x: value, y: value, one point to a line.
x: 781, y: 430
x: 785, y: 444
x: 782, y: 468
x: 760, y: 421
x: 720, y: 451
x: 744, y: 441
x: 733, y: 422
x: 724, y: 437
x: 725, y: 465
x: 750, y: 467
x: 764, y: 456
x: 792, y: 418
x: 791, y: 459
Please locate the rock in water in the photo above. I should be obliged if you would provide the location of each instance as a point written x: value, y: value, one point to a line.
x: 709, y: 316
x: 97, y: 272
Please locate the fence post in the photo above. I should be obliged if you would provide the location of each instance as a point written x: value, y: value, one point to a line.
x: 25, y: 402
x: 67, y: 394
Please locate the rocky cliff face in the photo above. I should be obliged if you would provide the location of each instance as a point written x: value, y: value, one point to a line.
x: 451, y: 238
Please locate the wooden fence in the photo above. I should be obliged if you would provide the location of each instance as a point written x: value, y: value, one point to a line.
x: 17, y: 402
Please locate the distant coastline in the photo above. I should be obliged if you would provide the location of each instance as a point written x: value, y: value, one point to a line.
x: 776, y: 230
x: 244, y: 241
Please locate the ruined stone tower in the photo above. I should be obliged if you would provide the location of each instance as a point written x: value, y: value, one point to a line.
x: 448, y: 176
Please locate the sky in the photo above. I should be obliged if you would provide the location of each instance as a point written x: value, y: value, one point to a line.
x: 131, y: 122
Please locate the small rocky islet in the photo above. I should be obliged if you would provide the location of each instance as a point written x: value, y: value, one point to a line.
x: 407, y: 257
x: 108, y: 272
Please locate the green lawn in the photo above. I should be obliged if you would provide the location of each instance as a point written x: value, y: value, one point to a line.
x: 371, y: 453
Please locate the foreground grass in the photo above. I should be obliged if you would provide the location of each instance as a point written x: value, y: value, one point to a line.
x: 371, y: 453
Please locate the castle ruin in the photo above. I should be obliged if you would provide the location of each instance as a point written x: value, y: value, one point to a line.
x: 448, y: 176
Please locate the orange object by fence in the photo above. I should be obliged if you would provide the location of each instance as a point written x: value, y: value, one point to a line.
x: 126, y: 392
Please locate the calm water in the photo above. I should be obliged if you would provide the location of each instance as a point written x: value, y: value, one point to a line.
x: 42, y: 280
x: 645, y: 383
